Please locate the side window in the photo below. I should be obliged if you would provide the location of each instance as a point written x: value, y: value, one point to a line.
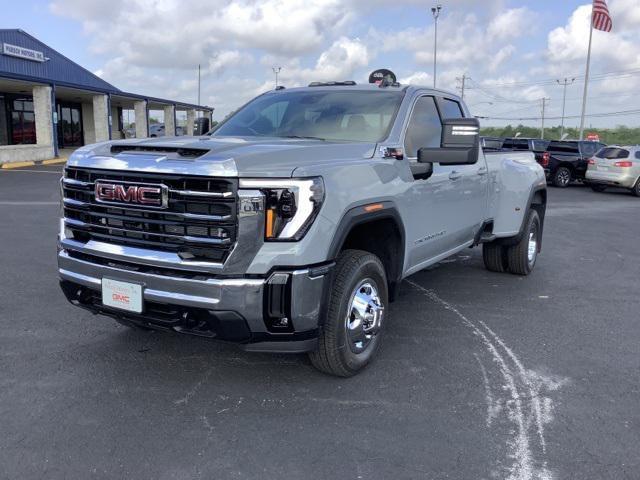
x: 450, y: 109
x: 638, y: 154
x: 424, y: 129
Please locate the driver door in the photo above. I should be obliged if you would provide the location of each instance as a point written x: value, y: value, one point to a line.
x: 434, y: 191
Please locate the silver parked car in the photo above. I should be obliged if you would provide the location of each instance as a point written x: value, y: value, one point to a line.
x: 615, y: 166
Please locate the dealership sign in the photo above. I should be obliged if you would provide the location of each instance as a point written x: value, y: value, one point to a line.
x: 21, y: 52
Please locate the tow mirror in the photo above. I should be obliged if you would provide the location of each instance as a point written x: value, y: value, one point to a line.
x: 460, y: 143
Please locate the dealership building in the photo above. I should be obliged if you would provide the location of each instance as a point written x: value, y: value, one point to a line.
x: 50, y: 105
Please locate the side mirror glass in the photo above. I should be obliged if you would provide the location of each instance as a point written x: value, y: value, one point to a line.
x: 460, y: 143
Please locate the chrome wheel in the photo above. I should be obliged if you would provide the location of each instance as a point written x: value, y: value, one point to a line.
x: 532, y: 247
x: 364, y: 316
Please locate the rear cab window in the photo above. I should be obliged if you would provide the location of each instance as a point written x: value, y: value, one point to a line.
x: 568, y: 148
x: 515, y: 144
x: 589, y: 148
x: 540, y: 145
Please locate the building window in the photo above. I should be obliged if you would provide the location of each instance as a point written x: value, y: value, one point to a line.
x: 4, y: 125
x: 23, y: 121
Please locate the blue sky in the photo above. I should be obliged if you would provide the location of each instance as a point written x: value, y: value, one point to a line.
x: 511, y: 50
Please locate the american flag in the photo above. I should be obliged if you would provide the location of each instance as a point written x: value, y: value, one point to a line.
x: 601, y: 18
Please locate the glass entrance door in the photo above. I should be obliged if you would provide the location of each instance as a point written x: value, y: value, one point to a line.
x: 69, y: 125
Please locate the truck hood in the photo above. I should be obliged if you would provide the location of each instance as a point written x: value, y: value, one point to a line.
x: 218, y: 156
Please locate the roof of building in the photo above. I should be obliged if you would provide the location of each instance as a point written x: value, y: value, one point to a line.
x: 58, y: 69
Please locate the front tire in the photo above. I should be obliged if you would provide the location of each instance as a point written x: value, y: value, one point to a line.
x: 350, y: 336
x: 522, y: 256
x: 562, y: 177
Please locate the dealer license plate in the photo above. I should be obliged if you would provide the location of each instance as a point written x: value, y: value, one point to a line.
x: 122, y: 295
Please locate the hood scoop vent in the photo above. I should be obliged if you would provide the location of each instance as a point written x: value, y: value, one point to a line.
x: 174, y: 152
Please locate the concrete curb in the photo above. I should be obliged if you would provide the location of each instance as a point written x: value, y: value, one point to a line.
x: 53, y: 161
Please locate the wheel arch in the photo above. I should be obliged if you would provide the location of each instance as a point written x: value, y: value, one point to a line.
x: 360, y: 229
x: 537, y: 201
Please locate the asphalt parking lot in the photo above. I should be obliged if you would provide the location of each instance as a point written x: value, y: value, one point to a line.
x: 481, y: 375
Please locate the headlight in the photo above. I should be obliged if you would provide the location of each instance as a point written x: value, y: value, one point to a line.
x: 291, y: 205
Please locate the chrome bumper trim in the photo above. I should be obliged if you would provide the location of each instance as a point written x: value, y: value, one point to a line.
x: 148, y: 293
x: 143, y: 256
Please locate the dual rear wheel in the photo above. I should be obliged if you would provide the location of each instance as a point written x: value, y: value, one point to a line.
x: 519, y: 258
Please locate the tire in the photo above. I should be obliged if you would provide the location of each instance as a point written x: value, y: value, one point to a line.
x: 598, y: 188
x: 357, y: 274
x: 636, y: 190
x: 495, y: 257
x: 522, y: 256
x: 562, y: 177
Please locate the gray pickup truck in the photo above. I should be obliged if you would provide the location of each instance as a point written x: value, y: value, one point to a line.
x: 290, y: 227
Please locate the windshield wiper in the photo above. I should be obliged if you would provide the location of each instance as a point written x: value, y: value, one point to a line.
x: 303, y: 137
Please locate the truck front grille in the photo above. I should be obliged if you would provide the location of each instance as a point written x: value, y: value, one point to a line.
x: 199, y: 223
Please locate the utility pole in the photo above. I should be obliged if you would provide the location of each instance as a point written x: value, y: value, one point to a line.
x: 544, y: 104
x: 463, y: 81
x: 435, y: 11
x: 564, y: 83
x: 276, y: 70
x: 198, y: 84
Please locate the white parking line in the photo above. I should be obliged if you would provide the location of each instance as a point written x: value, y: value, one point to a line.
x: 525, y: 466
x: 14, y: 204
x: 57, y: 172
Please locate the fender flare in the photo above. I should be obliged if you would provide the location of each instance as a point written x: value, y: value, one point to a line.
x: 357, y: 216
x: 541, y: 213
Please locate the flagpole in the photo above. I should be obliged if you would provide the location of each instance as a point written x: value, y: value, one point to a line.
x: 586, y: 78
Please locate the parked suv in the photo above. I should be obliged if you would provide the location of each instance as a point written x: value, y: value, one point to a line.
x: 615, y: 166
x: 291, y: 226
x: 565, y: 161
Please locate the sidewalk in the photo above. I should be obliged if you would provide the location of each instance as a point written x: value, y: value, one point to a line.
x: 64, y: 156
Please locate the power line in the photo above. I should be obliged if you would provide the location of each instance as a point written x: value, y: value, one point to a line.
x: 592, y: 115
x: 496, y: 97
x: 551, y: 81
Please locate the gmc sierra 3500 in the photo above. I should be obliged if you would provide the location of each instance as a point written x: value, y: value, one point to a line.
x: 290, y: 226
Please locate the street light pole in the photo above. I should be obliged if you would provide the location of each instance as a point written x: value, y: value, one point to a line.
x: 435, y: 11
x: 565, y: 82
x: 276, y: 70
x: 544, y: 105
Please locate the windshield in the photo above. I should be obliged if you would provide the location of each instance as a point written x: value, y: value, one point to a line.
x: 339, y: 115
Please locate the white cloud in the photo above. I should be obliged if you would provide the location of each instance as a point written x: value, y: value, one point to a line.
x: 154, y: 47
x: 618, y: 48
x: 511, y: 23
x: 418, y: 78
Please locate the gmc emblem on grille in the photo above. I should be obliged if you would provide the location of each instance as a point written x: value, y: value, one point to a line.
x: 147, y: 195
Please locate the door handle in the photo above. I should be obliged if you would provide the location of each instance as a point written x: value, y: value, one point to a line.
x: 454, y: 175
x: 483, y: 171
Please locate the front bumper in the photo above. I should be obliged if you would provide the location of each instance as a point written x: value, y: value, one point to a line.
x: 239, y: 309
